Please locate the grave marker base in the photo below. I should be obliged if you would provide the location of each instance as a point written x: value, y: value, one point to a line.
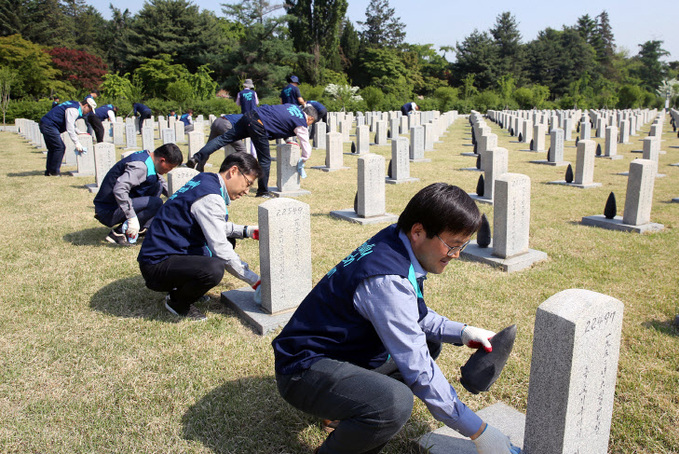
x: 472, y: 169
x: 92, y: 187
x: 613, y: 158
x: 601, y: 221
x: 445, y: 440
x: 626, y: 174
x: 330, y: 169
x: 479, y: 199
x: 274, y: 190
x: 351, y: 216
x: 468, y: 153
x: 421, y: 160
x: 576, y: 185
x: 242, y: 301
x: 403, y: 180
x: 551, y: 163
x: 517, y: 263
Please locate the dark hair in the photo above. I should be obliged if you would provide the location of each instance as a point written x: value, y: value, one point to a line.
x: 170, y: 152
x: 115, y: 109
x: 96, y: 92
x: 245, y: 162
x: 311, y: 111
x: 441, y: 207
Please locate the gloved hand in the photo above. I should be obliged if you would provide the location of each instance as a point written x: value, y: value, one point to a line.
x: 492, y: 441
x: 258, y: 291
x: 79, y: 148
x: 132, y: 227
x: 252, y: 231
x: 300, y: 168
x: 474, y: 337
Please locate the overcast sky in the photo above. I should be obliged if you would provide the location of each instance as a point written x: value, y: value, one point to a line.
x: 446, y: 22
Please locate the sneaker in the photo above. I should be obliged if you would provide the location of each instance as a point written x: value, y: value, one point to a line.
x: 264, y: 195
x: 203, y: 299
x: 193, y: 313
x: 116, y: 237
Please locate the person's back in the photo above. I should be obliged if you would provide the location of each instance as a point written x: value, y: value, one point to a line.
x: 57, y: 115
x: 291, y: 94
x: 280, y: 121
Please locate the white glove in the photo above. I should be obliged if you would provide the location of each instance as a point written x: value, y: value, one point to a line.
x: 492, y: 441
x: 258, y: 291
x: 474, y: 337
x: 79, y: 148
x: 300, y: 168
x: 132, y: 227
x: 252, y: 231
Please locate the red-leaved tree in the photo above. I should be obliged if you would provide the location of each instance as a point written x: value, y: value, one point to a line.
x: 82, y: 70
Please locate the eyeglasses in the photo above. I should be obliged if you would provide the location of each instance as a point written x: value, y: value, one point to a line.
x: 452, y: 250
x: 250, y: 183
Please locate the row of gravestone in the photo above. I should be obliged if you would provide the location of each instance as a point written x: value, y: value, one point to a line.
x: 577, y: 332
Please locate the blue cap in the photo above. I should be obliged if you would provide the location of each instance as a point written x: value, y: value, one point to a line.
x: 294, y: 79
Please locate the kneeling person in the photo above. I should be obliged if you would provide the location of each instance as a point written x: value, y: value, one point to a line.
x: 187, y: 246
x: 131, y: 191
x: 363, y: 342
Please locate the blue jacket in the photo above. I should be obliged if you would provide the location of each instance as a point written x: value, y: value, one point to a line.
x: 105, y: 200
x: 289, y: 95
x: 280, y: 121
x: 141, y: 109
x: 102, y: 112
x: 247, y: 100
x: 57, y: 115
x: 326, y: 324
x: 174, y: 231
x: 185, y: 119
x: 322, y: 111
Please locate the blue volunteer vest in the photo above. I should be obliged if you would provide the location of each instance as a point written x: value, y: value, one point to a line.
x: 105, y: 200
x: 102, y: 112
x: 174, y: 231
x: 289, y: 94
x: 247, y: 100
x: 326, y: 324
x: 141, y: 108
x: 320, y: 108
x: 281, y: 120
x: 185, y: 119
x: 57, y: 115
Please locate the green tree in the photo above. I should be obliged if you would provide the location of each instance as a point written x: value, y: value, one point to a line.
x: 507, y: 85
x: 382, y: 28
x: 39, y: 21
x: 446, y: 97
x: 33, y: 66
x: 7, y: 78
x: 652, y: 71
x: 477, y: 55
x: 264, y: 53
x: 373, y: 97
x: 508, y: 42
x: 177, y: 28
x: 157, y: 73
x: 116, y: 88
x: 524, y: 97
x: 314, y: 27
x: 629, y: 96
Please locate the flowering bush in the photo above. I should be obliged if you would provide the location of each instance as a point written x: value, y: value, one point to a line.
x: 343, y: 93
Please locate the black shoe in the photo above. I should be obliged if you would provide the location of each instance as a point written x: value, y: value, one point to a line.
x: 192, y: 313
x: 115, y: 236
x: 264, y: 195
x: 191, y: 163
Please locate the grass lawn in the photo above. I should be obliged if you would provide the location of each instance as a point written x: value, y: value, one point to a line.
x: 92, y: 363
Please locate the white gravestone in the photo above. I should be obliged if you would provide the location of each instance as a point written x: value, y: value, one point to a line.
x: 400, y: 162
x: 85, y: 161
x: 104, y: 159
x: 178, y: 177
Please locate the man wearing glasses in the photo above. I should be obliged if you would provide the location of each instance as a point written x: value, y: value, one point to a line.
x: 363, y: 342
x: 188, y: 245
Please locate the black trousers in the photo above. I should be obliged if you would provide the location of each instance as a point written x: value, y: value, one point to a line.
x: 97, y: 126
x: 185, y: 277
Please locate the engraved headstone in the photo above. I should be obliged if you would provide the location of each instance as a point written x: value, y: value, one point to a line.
x: 417, y: 144
x: 196, y: 142
x: 85, y: 161
x: 147, y: 138
x: 639, y: 198
x: 130, y: 136
x: 177, y: 177
x: 168, y: 136
x: 320, y: 135
x: 362, y: 139
x: 400, y: 162
x: 104, y: 159
x: 511, y: 219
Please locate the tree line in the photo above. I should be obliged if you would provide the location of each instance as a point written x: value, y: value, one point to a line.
x: 171, y: 51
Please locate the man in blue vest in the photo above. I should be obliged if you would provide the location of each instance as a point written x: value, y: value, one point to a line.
x: 262, y: 124
x: 187, y: 119
x: 143, y: 111
x: 247, y: 97
x: 62, y: 119
x: 363, y: 342
x: 105, y: 112
x: 291, y: 94
x: 187, y: 247
x: 409, y: 107
x: 131, y: 192
x: 222, y: 124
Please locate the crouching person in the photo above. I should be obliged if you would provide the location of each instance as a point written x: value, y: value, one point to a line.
x: 363, y: 342
x: 131, y: 192
x: 187, y: 247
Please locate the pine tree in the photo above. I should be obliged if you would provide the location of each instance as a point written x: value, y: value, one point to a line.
x: 381, y: 27
x: 508, y: 42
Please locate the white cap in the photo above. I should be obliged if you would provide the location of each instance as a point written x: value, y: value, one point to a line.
x: 92, y: 103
